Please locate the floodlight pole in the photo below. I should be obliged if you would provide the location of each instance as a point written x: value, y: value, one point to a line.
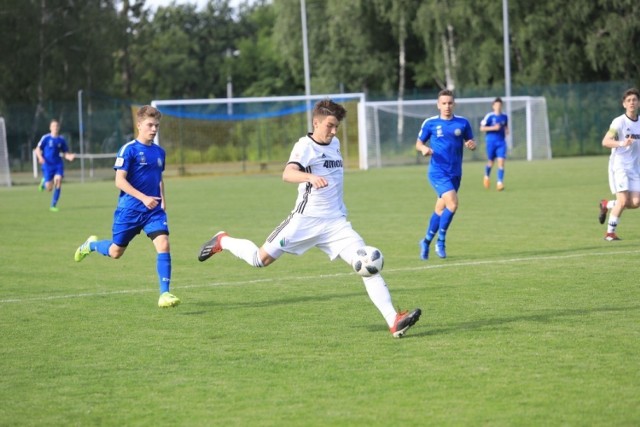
x: 507, y: 65
x: 81, y: 138
x: 305, y: 53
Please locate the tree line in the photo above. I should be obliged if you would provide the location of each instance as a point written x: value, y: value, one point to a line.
x: 385, y: 48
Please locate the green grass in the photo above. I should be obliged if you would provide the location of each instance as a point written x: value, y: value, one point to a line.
x: 532, y: 320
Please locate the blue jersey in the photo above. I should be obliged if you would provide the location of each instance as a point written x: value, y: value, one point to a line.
x: 447, y: 138
x: 492, y: 119
x: 51, y: 147
x: 144, y: 165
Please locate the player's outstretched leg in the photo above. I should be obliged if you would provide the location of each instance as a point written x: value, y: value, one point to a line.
x: 603, y: 211
x: 168, y: 300
x: 404, y: 320
x: 211, y: 246
x: 84, y: 249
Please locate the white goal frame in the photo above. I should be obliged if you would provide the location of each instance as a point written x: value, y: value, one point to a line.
x: 5, y: 171
x: 310, y: 100
x: 396, y: 107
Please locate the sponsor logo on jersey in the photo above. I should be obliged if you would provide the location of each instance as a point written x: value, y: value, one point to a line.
x: 143, y: 159
x: 332, y: 164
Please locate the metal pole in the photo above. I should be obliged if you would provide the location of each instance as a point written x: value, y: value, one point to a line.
x: 507, y: 67
x: 305, y: 53
x: 81, y: 138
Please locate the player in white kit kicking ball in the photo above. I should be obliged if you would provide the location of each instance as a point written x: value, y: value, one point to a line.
x: 319, y: 218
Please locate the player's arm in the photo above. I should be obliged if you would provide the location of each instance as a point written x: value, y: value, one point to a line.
x: 38, y: 153
x: 69, y: 156
x: 467, y: 137
x: 423, y: 148
x: 123, y: 184
x: 292, y: 173
x: 610, y: 140
x: 163, y: 202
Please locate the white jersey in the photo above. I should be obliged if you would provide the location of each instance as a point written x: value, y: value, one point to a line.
x: 625, y: 158
x: 322, y: 160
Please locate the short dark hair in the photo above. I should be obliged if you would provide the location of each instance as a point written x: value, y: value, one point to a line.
x: 446, y: 92
x: 327, y: 107
x: 498, y: 99
x: 148, y: 111
x: 630, y: 91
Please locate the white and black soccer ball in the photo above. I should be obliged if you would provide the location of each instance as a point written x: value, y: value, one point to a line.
x: 367, y: 261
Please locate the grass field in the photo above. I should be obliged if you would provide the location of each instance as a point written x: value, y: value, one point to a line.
x: 532, y: 320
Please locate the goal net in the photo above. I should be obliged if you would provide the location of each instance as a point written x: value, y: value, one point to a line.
x: 392, y: 128
x: 5, y: 172
x: 240, y: 135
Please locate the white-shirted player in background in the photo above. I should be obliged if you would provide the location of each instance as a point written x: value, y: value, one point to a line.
x: 319, y: 218
x: 623, y: 137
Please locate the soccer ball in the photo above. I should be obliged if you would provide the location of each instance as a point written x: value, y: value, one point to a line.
x: 367, y: 261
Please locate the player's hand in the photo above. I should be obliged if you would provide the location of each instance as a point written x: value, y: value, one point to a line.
x: 71, y: 157
x: 470, y: 144
x: 151, y: 202
x: 426, y: 151
x: 627, y: 142
x: 318, y: 181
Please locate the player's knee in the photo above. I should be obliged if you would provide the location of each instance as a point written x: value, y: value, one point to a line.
x: 116, y: 251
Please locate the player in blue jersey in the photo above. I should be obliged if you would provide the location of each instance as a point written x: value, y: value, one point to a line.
x: 447, y: 135
x: 48, y: 151
x: 141, y: 206
x: 496, y: 125
x: 319, y: 218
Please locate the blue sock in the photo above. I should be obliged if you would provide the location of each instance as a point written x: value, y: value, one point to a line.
x: 434, y: 224
x: 500, y: 175
x: 101, y: 246
x: 56, y: 196
x: 487, y: 170
x: 163, y: 265
x: 445, y: 222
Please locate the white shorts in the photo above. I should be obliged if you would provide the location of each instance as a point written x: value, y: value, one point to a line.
x: 624, y: 180
x: 297, y: 234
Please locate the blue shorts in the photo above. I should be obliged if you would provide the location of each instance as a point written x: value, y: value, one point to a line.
x: 49, y: 171
x: 128, y: 223
x: 496, y: 149
x: 442, y: 183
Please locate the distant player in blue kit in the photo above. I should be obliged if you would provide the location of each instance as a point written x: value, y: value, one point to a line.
x: 319, y: 218
x: 447, y: 135
x: 48, y: 152
x: 496, y: 125
x: 141, y: 205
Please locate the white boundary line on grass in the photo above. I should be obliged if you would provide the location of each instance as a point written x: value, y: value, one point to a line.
x: 249, y: 282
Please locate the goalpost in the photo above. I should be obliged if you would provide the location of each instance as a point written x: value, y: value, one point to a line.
x: 253, y: 134
x: 5, y: 171
x: 240, y: 135
x: 393, y: 126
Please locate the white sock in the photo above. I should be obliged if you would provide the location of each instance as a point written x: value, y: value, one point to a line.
x: 611, y: 204
x: 380, y: 296
x: 242, y: 248
x: 613, y: 223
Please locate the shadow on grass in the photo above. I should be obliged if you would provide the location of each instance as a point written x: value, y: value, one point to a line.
x: 548, y: 317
